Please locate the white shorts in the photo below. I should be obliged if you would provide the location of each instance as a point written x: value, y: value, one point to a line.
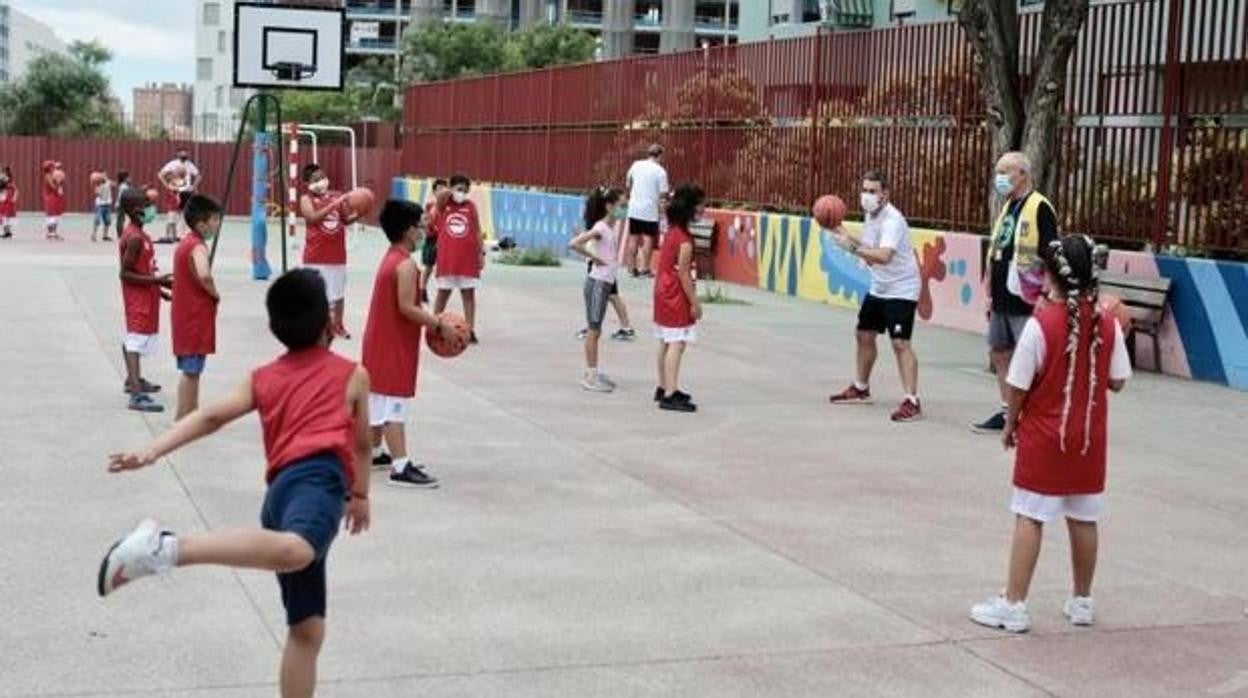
x: 674, y: 335
x: 335, y: 276
x: 53, y: 221
x: 141, y: 344
x: 1045, y: 507
x: 449, y: 283
x: 386, y: 409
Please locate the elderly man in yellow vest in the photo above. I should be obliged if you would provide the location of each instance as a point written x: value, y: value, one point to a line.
x: 1022, y: 233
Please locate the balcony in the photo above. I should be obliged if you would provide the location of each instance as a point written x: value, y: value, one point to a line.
x: 854, y: 14
x: 383, y: 45
x: 711, y: 25
x: 365, y: 10
x: 582, y: 19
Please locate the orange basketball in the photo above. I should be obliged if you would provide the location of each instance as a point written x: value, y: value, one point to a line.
x: 361, y: 200
x: 1113, y: 305
x: 58, y: 176
x: 829, y: 210
x: 97, y: 178
x: 456, y: 340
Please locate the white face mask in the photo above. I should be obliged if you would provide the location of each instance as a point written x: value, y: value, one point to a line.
x: 320, y: 186
x: 870, y: 202
x: 459, y: 196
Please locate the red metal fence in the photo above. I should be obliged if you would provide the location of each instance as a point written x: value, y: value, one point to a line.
x: 144, y: 158
x: 1154, y: 148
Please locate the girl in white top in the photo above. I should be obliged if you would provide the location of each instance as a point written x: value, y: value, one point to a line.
x: 602, y: 207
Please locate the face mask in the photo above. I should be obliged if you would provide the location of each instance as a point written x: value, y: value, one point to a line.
x: 619, y: 213
x: 1002, y: 184
x: 149, y: 214
x: 320, y: 186
x: 870, y: 202
x: 459, y: 196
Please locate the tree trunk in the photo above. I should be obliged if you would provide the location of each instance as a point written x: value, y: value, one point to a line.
x: 1058, y: 34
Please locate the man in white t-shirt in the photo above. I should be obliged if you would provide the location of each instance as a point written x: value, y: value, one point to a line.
x: 647, y: 183
x: 179, y: 177
x: 891, y: 303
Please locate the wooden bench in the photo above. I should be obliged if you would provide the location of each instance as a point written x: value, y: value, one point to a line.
x: 703, y: 233
x: 1145, y: 300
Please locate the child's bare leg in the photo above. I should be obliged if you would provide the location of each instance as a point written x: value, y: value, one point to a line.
x: 188, y: 394
x: 1083, y: 546
x: 396, y: 440
x: 621, y: 311
x: 591, y: 348
x: 134, y: 378
x: 255, y: 548
x: 662, y: 365
x: 1024, y: 552
x: 338, y: 309
x: 671, y: 366
x: 469, y: 297
x: 303, y: 645
x: 439, y: 303
x: 375, y: 433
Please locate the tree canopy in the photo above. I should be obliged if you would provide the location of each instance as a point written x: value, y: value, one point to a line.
x: 60, y: 95
x: 442, y: 51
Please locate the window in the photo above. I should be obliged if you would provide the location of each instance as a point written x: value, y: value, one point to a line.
x: 203, y: 69
x: 220, y: 101
x: 221, y: 42
x: 212, y: 14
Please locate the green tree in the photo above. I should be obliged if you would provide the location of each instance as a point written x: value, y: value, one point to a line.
x: 543, y: 45
x: 60, y: 95
x: 436, y: 51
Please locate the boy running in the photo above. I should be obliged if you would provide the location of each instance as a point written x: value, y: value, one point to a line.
x: 391, y: 351
x: 141, y: 291
x: 195, y: 298
x: 313, y: 407
x: 461, y: 256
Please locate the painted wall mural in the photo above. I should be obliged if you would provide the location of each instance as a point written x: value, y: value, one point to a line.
x: 1204, y: 335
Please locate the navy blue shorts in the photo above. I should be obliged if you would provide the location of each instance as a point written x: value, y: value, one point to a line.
x: 306, y: 498
x: 192, y: 365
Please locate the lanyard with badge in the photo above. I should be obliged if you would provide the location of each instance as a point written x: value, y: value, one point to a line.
x: 1005, y: 235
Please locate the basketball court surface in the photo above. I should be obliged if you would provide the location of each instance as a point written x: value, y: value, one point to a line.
x: 591, y: 545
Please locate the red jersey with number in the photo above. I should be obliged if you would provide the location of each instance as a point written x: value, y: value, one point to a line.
x: 458, y: 232
x: 193, y: 313
x: 1042, y: 464
x: 53, y: 198
x: 8, y: 202
x: 327, y: 239
x: 671, y: 306
x: 391, y: 350
x: 141, y: 301
x: 302, y: 401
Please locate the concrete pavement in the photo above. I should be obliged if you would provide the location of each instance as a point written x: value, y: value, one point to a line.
x: 589, y: 545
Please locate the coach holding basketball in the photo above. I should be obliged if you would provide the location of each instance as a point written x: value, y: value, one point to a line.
x: 647, y: 183
x: 1022, y: 233
x: 180, y: 177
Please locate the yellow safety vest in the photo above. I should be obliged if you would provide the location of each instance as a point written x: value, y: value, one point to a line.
x: 1026, y: 231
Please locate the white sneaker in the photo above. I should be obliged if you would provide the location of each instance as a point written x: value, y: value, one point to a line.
x: 999, y: 613
x: 146, y: 550
x: 596, y: 384
x: 1079, y: 610
x: 606, y: 379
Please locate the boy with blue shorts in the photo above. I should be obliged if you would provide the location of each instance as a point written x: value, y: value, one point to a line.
x: 195, y: 298
x: 313, y: 407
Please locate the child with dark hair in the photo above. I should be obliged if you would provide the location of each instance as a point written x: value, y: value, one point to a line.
x: 461, y: 255
x: 676, y: 306
x: 602, y: 208
x: 8, y: 202
x: 313, y: 408
x: 195, y: 298
x: 53, y: 197
x: 103, y: 208
x: 326, y: 248
x: 1068, y: 355
x: 142, y: 288
x: 429, y: 250
x: 123, y: 184
x: 391, y: 351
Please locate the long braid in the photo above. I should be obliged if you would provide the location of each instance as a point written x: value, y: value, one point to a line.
x: 1070, y: 285
x: 1092, y: 296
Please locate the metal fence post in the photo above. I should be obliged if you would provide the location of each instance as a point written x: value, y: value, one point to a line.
x: 1169, y: 109
x: 812, y: 178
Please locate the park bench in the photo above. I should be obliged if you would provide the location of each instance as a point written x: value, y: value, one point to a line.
x: 1145, y: 300
x: 703, y: 233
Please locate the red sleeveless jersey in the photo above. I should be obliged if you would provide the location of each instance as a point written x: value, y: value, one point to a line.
x: 141, y: 301
x: 458, y: 231
x: 1041, y: 465
x: 391, y: 350
x: 327, y: 240
x: 671, y: 305
x: 53, y: 199
x: 302, y: 401
x: 8, y: 201
x: 193, y: 313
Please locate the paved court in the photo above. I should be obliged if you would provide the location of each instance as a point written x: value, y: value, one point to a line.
x: 590, y: 545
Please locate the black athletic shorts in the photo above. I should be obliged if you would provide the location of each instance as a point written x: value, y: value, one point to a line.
x: 892, y: 315
x: 636, y: 227
x: 615, y: 285
x: 306, y: 498
x: 429, y: 253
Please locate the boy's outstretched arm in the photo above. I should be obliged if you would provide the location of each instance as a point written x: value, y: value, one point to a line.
x: 195, y: 425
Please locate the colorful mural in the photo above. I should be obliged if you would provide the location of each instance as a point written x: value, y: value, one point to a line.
x: 1204, y: 336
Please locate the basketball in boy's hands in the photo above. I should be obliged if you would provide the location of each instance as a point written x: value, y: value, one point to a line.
x: 360, y: 201
x: 97, y: 178
x: 829, y: 210
x: 453, y: 340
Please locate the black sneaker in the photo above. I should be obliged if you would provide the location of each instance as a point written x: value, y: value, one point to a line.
x: 472, y: 337
x: 624, y: 334
x: 383, y: 460
x: 993, y: 425
x: 413, y: 476
x: 6, y: 235
x: 658, y: 393
x: 677, y: 403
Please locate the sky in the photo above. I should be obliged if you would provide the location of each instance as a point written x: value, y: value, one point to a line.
x: 151, y: 40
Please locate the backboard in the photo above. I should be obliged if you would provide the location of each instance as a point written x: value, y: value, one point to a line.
x: 288, y: 46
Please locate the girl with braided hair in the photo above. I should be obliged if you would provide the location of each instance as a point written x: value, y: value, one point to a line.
x: 1068, y: 355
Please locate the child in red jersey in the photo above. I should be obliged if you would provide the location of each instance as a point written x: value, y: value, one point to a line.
x: 429, y: 250
x: 8, y: 202
x: 460, y: 254
x: 391, y: 350
x: 326, y: 248
x: 676, y: 306
x: 1068, y: 355
x: 195, y: 298
x: 313, y: 407
x: 141, y: 291
x: 53, y: 197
